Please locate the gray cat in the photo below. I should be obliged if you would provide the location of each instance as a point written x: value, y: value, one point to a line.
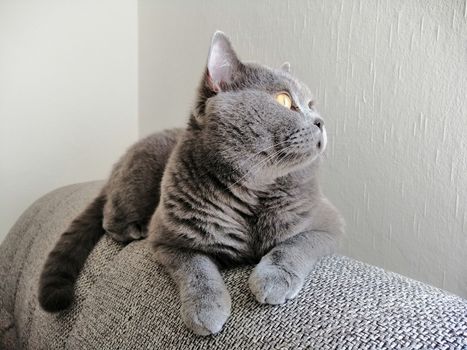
x: 239, y: 185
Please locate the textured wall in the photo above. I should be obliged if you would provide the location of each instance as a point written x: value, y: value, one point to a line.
x: 391, y: 81
x: 68, y: 95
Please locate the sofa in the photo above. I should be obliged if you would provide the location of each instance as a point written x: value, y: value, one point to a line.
x: 125, y: 300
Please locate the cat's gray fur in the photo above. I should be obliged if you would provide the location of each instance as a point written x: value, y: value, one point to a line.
x: 239, y: 185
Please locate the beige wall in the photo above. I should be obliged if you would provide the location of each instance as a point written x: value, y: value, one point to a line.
x: 391, y: 80
x: 68, y: 95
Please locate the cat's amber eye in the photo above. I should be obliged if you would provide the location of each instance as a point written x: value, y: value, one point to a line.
x: 284, y: 99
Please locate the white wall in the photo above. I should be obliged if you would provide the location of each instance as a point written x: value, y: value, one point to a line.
x: 391, y: 80
x: 68, y: 95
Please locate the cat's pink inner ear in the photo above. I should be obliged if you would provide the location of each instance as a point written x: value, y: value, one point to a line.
x: 222, y: 61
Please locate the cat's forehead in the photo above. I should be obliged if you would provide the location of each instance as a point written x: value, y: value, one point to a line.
x: 276, y: 80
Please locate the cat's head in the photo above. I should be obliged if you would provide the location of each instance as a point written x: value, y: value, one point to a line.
x: 257, y: 121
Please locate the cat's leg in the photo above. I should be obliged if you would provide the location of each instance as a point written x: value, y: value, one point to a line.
x: 280, y: 274
x: 133, y: 189
x: 205, y: 301
x: 133, y: 195
x: 128, y: 233
x: 125, y: 223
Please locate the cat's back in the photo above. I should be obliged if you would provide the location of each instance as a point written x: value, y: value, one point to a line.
x: 152, y: 149
x: 141, y: 168
x: 157, y: 143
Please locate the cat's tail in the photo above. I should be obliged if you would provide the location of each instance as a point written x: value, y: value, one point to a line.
x: 67, y: 258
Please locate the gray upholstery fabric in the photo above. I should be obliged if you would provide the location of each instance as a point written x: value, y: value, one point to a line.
x: 126, y: 301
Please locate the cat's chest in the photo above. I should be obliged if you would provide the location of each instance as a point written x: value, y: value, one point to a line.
x: 273, y: 221
x: 245, y: 228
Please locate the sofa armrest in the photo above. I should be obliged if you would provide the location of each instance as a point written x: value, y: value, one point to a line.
x: 125, y: 300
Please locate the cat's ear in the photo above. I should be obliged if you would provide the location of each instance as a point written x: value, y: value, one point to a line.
x: 223, y: 62
x: 285, y: 67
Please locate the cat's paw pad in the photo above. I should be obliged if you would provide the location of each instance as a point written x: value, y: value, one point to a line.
x: 206, y: 315
x: 272, y: 284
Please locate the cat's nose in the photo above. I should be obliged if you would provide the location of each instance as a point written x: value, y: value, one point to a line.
x: 319, y: 123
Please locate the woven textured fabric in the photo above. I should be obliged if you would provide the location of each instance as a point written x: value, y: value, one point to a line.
x: 125, y: 300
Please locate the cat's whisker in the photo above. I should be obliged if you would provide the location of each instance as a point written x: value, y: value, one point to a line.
x: 255, y: 167
x: 262, y: 150
x: 286, y: 157
x: 275, y: 155
x: 281, y: 161
x: 258, y: 166
x: 257, y: 154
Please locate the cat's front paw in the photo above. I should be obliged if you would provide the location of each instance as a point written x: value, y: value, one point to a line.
x: 206, y: 314
x: 273, y: 284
